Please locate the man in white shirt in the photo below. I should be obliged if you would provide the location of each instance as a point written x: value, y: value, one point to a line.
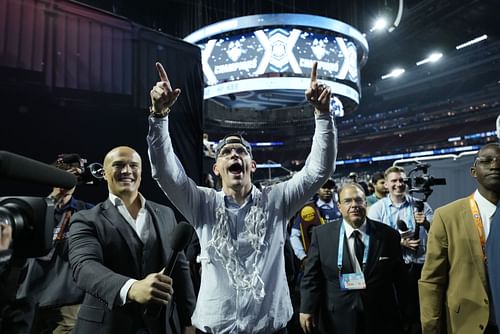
x: 241, y: 229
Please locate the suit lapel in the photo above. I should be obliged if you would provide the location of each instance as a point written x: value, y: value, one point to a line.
x: 374, y: 247
x: 160, y: 224
x: 114, y: 217
x: 465, y: 215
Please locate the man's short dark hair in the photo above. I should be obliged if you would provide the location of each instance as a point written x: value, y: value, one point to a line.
x: 377, y: 176
x: 330, y: 184
x: 232, y: 139
x: 66, y: 161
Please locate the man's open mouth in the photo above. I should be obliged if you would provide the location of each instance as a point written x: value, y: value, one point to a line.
x: 235, y: 168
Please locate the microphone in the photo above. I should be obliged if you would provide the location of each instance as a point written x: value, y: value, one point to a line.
x: 180, y: 239
x: 403, y: 228
x: 25, y: 169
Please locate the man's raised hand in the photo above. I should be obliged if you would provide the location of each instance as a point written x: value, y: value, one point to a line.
x: 318, y: 94
x: 162, y: 94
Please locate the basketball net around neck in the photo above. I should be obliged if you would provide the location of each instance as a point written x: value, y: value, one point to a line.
x: 224, y: 247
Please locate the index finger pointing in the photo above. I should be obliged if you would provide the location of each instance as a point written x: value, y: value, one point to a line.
x: 313, y: 71
x: 162, y: 72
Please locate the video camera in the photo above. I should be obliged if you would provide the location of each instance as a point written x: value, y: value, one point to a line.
x: 422, y: 182
x: 90, y: 173
x: 31, y: 218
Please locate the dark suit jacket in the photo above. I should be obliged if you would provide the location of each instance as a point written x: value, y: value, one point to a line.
x: 377, y: 308
x: 102, y: 261
x: 493, y: 256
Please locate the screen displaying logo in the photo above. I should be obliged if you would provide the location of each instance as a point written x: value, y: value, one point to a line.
x: 279, y: 52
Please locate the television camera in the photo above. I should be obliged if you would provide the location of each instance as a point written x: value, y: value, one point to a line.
x: 32, y: 218
x: 87, y: 173
x: 420, y: 181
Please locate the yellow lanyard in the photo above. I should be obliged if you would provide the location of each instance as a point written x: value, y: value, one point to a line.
x: 479, y: 224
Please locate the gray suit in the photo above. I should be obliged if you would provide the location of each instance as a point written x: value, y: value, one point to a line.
x: 105, y: 252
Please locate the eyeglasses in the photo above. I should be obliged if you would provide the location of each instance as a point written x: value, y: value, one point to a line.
x: 488, y: 160
x: 350, y: 201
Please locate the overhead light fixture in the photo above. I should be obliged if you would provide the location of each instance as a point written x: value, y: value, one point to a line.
x: 379, y: 24
x: 432, y: 58
x: 394, y: 73
x: 472, y: 41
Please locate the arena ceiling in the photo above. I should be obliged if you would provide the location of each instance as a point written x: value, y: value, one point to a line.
x: 426, y: 26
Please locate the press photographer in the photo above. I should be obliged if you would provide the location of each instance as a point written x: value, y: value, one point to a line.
x: 47, y: 299
x: 26, y: 224
x: 49, y: 282
x: 398, y: 211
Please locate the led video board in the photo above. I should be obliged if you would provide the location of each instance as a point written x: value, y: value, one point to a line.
x: 277, y: 51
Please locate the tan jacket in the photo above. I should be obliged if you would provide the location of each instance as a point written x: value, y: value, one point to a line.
x: 453, y: 287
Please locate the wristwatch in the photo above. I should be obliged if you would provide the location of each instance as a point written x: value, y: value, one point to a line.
x: 159, y: 114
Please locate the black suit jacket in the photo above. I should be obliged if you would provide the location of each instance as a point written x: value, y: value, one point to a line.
x: 375, y: 309
x: 102, y: 261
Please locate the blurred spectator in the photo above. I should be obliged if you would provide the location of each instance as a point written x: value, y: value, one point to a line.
x: 380, y: 191
x: 353, y: 177
x: 319, y: 211
x: 454, y: 289
x: 398, y: 210
x: 208, y: 150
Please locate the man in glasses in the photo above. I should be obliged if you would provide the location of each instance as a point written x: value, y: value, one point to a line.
x: 354, y: 276
x: 454, y: 289
x: 242, y: 230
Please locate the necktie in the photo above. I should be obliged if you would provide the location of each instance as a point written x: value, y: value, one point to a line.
x: 359, y: 247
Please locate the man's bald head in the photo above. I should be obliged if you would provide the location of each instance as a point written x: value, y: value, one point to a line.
x: 122, y: 170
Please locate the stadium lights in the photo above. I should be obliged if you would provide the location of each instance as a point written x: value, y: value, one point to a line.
x: 394, y: 73
x: 472, y: 41
x: 432, y: 58
x: 379, y: 25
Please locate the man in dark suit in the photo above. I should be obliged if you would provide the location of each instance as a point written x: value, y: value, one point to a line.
x: 117, y: 252
x: 354, y: 274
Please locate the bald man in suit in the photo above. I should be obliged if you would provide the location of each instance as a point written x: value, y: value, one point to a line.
x: 117, y: 252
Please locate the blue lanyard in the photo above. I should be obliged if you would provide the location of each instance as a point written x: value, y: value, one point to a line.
x: 409, y: 214
x: 340, y: 255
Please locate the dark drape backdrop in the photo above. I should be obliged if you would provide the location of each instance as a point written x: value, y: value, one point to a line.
x: 76, y: 79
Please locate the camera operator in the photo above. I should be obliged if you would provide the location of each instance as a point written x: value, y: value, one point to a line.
x: 48, y: 284
x: 398, y: 210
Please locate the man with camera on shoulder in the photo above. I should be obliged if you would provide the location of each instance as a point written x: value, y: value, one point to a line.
x: 48, y: 285
x: 401, y: 211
